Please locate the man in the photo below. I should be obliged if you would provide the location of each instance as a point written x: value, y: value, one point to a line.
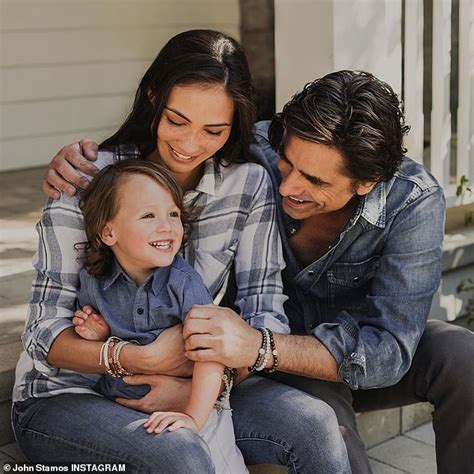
x: 362, y: 228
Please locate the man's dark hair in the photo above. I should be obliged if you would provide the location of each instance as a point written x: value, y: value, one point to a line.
x: 354, y: 112
x: 195, y: 57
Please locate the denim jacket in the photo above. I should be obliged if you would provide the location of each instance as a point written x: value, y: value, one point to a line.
x: 368, y: 298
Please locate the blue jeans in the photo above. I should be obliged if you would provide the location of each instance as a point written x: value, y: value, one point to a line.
x: 274, y: 424
x: 442, y: 373
x: 89, y: 428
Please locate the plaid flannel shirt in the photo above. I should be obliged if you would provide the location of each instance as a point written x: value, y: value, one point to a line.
x: 236, y: 224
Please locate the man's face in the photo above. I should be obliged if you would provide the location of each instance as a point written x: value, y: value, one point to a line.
x: 313, y: 182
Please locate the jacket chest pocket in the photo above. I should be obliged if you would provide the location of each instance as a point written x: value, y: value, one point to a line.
x: 350, y: 283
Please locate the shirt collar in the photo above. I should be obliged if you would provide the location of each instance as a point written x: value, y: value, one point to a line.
x: 374, y: 207
x: 156, y: 280
x: 113, y: 275
x: 211, y: 180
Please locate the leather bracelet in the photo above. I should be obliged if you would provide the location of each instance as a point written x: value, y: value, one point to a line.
x: 119, y: 370
x: 106, y: 356
x: 110, y: 356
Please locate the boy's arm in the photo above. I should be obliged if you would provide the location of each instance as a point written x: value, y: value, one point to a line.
x: 206, y: 385
x: 205, y: 388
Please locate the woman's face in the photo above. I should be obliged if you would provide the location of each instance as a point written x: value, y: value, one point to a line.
x: 196, y: 122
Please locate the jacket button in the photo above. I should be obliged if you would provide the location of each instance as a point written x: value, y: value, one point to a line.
x: 311, y: 273
x: 356, y: 279
x: 140, y: 310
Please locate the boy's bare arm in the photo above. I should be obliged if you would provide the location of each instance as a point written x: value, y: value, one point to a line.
x: 206, y: 386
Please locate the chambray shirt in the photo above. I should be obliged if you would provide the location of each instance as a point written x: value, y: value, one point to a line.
x: 141, y: 313
x: 368, y: 298
x: 235, y: 228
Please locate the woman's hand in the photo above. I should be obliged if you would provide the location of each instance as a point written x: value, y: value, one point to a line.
x: 216, y: 334
x: 61, y: 174
x: 166, y: 393
x: 165, y: 355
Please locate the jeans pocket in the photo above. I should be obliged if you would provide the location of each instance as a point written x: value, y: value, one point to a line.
x: 23, y: 411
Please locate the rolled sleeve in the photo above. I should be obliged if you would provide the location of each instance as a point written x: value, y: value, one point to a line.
x: 55, y: 286
x: 376, y: 348
x: 259, y: 261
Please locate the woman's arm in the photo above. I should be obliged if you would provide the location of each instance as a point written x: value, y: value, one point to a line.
x: 49, y: 338
x: 259, y: 259
x: 219, y: 334
x: 163, y: 356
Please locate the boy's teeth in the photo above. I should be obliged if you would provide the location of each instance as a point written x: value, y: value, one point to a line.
x: 162, y: 245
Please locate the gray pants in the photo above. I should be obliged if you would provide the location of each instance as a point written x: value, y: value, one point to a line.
x: 442, y: 373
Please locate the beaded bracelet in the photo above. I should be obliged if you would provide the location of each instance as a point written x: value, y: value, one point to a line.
x: 228, y: 377
x: 263, y: 354
x: 110, y: 356
x: 274, y: 352
x: 267, y: 350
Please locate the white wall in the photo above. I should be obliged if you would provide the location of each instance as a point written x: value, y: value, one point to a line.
x: 69, y: 68
x: 315, y: 37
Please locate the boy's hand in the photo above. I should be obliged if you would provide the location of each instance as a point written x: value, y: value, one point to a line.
x: 90, y: 325
x: 159, y: 421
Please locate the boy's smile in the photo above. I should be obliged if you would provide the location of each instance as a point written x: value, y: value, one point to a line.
x: 147, y: 231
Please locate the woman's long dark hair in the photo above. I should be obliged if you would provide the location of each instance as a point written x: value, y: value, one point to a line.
x: 192, y: 57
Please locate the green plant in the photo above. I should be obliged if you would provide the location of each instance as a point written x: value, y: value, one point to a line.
x: 467, y: 286
x: 464, y: 190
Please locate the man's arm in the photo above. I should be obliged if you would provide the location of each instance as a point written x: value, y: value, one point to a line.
x: 220, y: 335
x: 374, y: 347
x: 305, y: 355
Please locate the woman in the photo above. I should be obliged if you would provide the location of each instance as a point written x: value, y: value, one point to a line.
x: 193, y: 113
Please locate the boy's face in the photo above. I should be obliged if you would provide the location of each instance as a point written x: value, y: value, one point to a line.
x: 147, y: 231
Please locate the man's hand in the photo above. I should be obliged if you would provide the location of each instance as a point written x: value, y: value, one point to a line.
x: 216, y: 334
x: 166, y: 394
x: 159, y: 421
x: 62, y: 173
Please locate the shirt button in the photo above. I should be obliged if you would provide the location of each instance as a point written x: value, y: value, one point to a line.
x: 362, y: 358
x: 356, y: 279
x: 140, y: 310
x: 292, y: 231
x: 311, y: 273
